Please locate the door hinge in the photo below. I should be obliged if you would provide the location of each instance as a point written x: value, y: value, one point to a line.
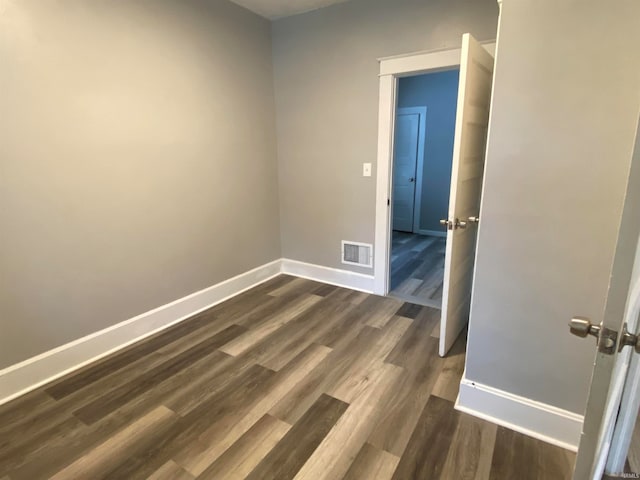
x: 388, y: 202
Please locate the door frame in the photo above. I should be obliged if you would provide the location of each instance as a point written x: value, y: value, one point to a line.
x: 422, y: 135
x: 391, y: 69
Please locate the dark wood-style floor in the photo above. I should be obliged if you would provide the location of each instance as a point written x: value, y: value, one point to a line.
x: 417, y: 268
x: 292, y: 379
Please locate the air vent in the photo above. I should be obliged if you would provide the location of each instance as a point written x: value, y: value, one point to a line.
x: 355, y: 253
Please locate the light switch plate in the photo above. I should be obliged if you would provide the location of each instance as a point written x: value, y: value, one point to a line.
x: 366, y: 169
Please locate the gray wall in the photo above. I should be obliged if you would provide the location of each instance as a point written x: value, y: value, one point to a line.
x: 439, y: 93
x: 564, y: 112
x: 326, y: 78
x: 137, y: 160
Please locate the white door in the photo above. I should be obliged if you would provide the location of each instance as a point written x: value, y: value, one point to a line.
x: 470, y: 140
x: 405, y: 161
x: 614, y: 395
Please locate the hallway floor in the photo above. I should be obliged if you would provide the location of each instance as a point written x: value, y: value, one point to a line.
x: 291, y: 379
x: 417, y: 268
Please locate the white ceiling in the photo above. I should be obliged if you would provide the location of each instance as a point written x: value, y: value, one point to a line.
x: 273, y: 9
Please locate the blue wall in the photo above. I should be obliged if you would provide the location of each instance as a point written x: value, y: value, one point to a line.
x: 439, y: 93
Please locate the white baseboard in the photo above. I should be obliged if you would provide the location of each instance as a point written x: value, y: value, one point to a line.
x: 433, y: 233
x: 333, y: 276
x: 532, y: 418
x: 544, y: 422
x: 34, y: 372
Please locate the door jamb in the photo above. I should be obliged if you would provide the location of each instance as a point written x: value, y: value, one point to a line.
x: 392, y: 68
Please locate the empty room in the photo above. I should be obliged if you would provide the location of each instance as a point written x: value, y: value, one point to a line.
x: 319, y: 239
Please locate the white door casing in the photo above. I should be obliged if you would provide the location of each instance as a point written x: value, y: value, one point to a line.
x: 391, y: 68
x: 469, y: 149
x: 627, y: 367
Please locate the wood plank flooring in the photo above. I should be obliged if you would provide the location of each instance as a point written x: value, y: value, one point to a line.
x: 290, y: 380
x: 417, y: 268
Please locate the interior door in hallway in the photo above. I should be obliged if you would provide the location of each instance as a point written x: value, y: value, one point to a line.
x: 470, y: 140
x: 405, y: 161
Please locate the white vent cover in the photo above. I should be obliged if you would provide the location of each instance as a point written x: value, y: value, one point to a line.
x: 356, y: 253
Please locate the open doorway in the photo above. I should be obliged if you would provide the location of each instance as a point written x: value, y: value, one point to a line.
x: 475, y: 63
x: 423, y: 151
